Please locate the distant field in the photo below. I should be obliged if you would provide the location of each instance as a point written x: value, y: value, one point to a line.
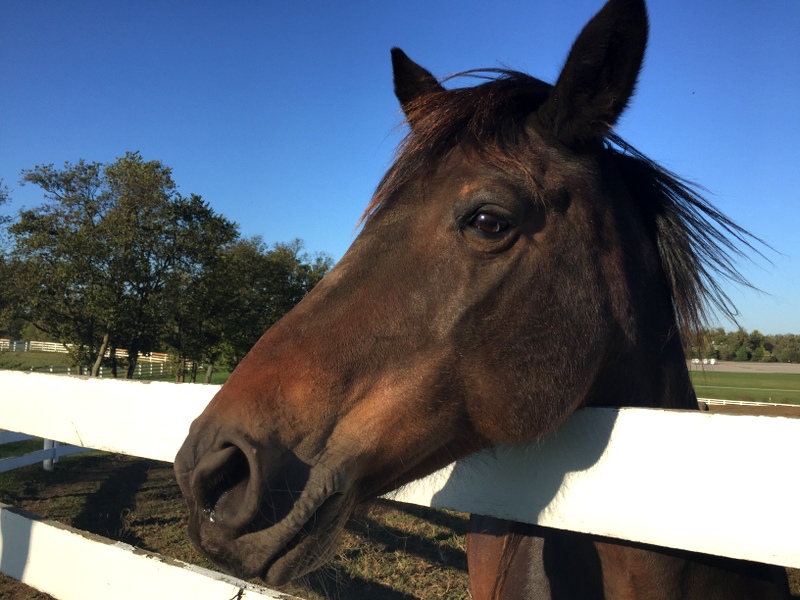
x: 781, y: 388
x: 754, y: 383
x: 19, y: 361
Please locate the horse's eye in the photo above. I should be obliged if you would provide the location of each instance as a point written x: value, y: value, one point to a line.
x: 489, y: 223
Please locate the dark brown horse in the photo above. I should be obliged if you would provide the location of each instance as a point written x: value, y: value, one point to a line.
x: 512, y: 224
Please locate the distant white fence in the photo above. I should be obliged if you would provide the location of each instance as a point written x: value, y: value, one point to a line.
x: 724, y: 402
x: 633, y: 474
x: 25, y: 346
x: 143, y: 370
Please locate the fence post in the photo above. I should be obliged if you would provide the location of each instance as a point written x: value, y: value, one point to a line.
x: 47, y: 465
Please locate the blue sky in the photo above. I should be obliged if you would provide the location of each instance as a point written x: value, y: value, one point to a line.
x: 281, y: 114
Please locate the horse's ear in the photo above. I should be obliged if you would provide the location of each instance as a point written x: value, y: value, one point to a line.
x: 410, y: 80
x: 600, y: 74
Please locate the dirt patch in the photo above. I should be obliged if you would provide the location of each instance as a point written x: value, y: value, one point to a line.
x: 746, y: 367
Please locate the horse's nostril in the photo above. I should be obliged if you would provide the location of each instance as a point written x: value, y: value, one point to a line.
x: 222, y: 484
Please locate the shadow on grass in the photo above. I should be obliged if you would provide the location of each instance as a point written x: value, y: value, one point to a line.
x: 370, y: 525
x: 106, y: 509
x: 343, y: 586
x: 458, y: 522
x: 397, y: 540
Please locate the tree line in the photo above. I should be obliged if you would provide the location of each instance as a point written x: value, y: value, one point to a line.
x: 115, y: 257
x: 739, y: 345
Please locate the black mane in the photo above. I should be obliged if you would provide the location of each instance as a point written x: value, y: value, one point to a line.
x: 697, y: 243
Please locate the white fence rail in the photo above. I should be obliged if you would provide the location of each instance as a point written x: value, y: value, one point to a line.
x: 50, y: 453
x: 628, y: 473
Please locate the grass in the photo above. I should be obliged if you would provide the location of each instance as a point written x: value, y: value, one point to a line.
x: 780, y: 388
x: 19, y: 448
x: 23, y: 361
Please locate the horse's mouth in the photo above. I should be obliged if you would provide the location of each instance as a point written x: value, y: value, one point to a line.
x: 284, y: 539
x: 312, y: 546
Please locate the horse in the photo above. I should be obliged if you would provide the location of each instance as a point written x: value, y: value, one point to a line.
x: 514, y: 224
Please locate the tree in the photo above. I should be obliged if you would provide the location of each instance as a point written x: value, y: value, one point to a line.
x: 742, y: 354
x: 264, y: 284
x: 142, y: 249
x: 755, y: 339
x: 93, y: 262
x: 4, y: 270
x: 224, y: 302
x: 117, y: 258
x: 4, y: 219
x: 759, y: 355
x: 787, y: 348
x: 57, y: 259
x: 196, y: 293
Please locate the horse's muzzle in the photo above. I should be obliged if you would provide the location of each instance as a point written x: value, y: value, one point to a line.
x: 259, y: 510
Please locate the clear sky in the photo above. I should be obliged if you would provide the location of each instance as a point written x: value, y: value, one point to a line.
x: 281, y: 114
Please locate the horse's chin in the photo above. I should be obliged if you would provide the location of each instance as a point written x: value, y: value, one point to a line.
x: 306, y: 555
x: 304, y: 540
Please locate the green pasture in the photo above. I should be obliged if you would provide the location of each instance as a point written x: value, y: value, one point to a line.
x: 23, y: 361
x: 780, y: 388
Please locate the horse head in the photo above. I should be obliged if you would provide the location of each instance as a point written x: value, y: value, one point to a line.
x: 505, y: 275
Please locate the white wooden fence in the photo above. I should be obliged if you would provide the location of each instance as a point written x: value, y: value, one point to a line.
x: 634, y: 474
x: 725, y: 402
x: 33, y: 346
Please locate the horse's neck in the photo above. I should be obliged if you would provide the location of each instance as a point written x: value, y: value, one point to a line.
x: 651, y: 374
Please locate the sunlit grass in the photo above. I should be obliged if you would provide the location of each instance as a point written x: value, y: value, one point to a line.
x: 781, y: 388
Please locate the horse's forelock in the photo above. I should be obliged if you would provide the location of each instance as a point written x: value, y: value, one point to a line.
x: 488, y: 120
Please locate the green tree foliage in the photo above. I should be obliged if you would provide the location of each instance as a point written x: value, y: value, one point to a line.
x: 197, y: 294
x: 3, y: 199
x: 116, y: 258
x: 57, y: 260
x: 223, y: 305
x: 5, y: 275
x: 755, y: 346
x: 150, y: 238
x: 263, y: 284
